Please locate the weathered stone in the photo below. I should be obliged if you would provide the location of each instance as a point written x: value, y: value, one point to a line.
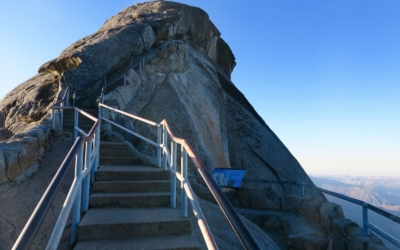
x: 13, y: 169
x: 357, y: 240
x: 264, y: 199
x: 337, y: 242
x: 173, y: 66
x: 148, y: 69
x: 27, y: 103
x: 5, y: 134
x: 328, y: 212
x: 310, y: 208
x: 244, y: 197
x: 343, y: 225
x: 292, y: 203
x: 3, y: 167
x: 174, y: 56
x: 36, y: 132
x: 28, y: 153
x: 163, y: 54
x: 273, y: 223
x: 302, y: 233
x: 6, y: 230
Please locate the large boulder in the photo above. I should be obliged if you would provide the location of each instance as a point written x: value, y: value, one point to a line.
x: 21, y: 152
x: 28, y: 103
x: 86, y: 63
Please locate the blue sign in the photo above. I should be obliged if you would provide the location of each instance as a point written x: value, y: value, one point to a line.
x: 229, y: 177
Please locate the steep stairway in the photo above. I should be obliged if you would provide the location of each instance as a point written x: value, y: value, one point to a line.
x: 129, y: 207
x: 84, y: 123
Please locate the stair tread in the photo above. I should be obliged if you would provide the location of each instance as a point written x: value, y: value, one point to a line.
x: 128, y: 168
x: 186, y: 242
x: 112, y: 156
x: 130, y: 194
x: 130, y: 182
x: 113, y: 215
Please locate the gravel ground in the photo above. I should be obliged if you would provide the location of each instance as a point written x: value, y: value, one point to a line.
x: 19, y: 201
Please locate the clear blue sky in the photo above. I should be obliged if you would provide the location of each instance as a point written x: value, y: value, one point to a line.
x: 324, y: 75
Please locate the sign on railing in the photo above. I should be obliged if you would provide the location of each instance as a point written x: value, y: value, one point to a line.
x: 229, y: 177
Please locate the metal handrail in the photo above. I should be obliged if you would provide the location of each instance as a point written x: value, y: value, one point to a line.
x: 233, y: 218
x: 169, y: 158
x: 130, y: 115
x: 63, y: 98
x: 140, y: 63
x: 76, y: 152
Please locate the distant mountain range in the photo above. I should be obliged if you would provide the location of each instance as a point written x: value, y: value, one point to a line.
x: 383, y: 192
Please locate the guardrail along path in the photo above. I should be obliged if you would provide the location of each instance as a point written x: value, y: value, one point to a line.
x: 129, y: 207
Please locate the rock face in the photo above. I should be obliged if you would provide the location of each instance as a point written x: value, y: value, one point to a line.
x: 189, y: 85
x: 27, y: 104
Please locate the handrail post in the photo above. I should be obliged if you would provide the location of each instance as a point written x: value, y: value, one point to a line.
x: 173, y: 175
x: 165, y: 145
x: 53, y: 118
x: 365, y: 218
x: 76, y: 117
x: 67, y: 98
x: 184, y: 176
x: 61, y: 115
x: 159, y: 146
x: 73, y: 99
x: 97, y: 153
x: 86, y: 181
x: 302, y: 188
x: 76, y: 210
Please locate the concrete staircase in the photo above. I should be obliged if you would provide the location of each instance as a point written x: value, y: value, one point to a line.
x: 84, y: 123
x: 129, y: 207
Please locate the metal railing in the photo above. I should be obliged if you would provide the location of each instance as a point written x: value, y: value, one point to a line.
x: 167, y: 158
x: 140, y: 64
x: 365, y: 207
x: 64, y: 102
x: 85, y: 152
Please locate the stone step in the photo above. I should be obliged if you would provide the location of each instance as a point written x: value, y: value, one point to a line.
x: 132, y: 200
x: 117, y: 223
x: 178, y: 242
x: 71, y: 120
x: 125, y: 160
x: 130, y: 186
x: 130, y: 173
x: 113, y: 146
x: 118, y: 153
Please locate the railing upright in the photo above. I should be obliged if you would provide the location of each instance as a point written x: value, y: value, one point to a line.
x: 184, y: 176
x: 53, y: 118
x: 73, y: 99
x: 67, y: 98
x: 97, y: 157
x: 164, y: 145
x: 86, y: 182
x: 61, y: 112
x: 365, y: 218
x: 76, y: 209
x: 173, y: 173
x: 159, y: 132
x: 76, y: 117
